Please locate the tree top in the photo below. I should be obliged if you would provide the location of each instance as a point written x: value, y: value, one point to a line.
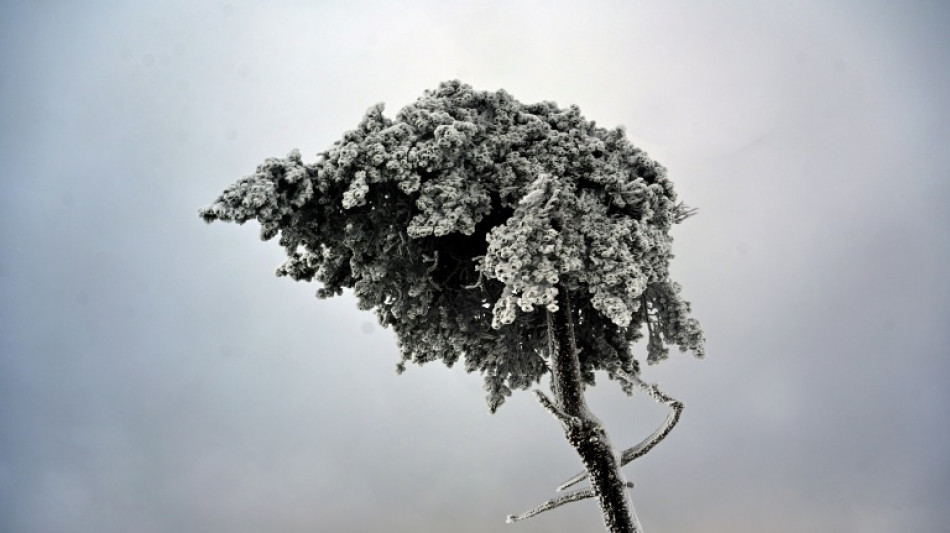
x: 460, y: 220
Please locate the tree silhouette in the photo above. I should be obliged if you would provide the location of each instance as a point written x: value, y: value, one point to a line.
x: 521, y: 239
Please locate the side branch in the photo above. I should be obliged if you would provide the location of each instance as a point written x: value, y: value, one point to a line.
x: 661, y: 432
x: 575, y: 496
x: 647, y: 444
x: 562, y: 417
x: 651, y: 388
x: 552, y: 504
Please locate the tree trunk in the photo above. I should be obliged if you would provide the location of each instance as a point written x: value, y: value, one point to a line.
x: 586, y: 433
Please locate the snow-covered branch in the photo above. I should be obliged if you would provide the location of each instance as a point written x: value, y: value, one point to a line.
x: 570, y: 497
x: 647, y: 444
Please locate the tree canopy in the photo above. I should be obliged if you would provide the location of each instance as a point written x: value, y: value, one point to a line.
x: 460, y: 220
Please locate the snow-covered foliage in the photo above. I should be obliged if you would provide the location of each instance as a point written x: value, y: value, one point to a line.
x: 459, y: 221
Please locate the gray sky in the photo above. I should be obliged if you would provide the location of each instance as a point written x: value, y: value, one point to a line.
x: 155, y: 376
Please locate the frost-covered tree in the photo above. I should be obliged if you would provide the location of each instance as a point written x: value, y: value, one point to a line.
x: 521, y: 239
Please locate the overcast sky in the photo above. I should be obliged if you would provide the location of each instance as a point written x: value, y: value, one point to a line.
x: 155, y: 376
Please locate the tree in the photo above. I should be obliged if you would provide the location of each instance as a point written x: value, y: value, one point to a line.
x: 522, y: 239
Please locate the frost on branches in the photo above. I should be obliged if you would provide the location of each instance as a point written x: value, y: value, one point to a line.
x: 460, y: 220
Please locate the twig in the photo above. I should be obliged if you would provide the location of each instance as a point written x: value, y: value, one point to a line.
x: 561, y: 416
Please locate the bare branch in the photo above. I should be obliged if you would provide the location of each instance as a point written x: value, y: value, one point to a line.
x: 681, y: 212
x: 575, y: 496
x: 561, y: 416
x: 661, y: 432
x: 478, y: 282
x: 647, y: 444
x: 651, y: 388
x: 580, y: 476
x: 551, y: 504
